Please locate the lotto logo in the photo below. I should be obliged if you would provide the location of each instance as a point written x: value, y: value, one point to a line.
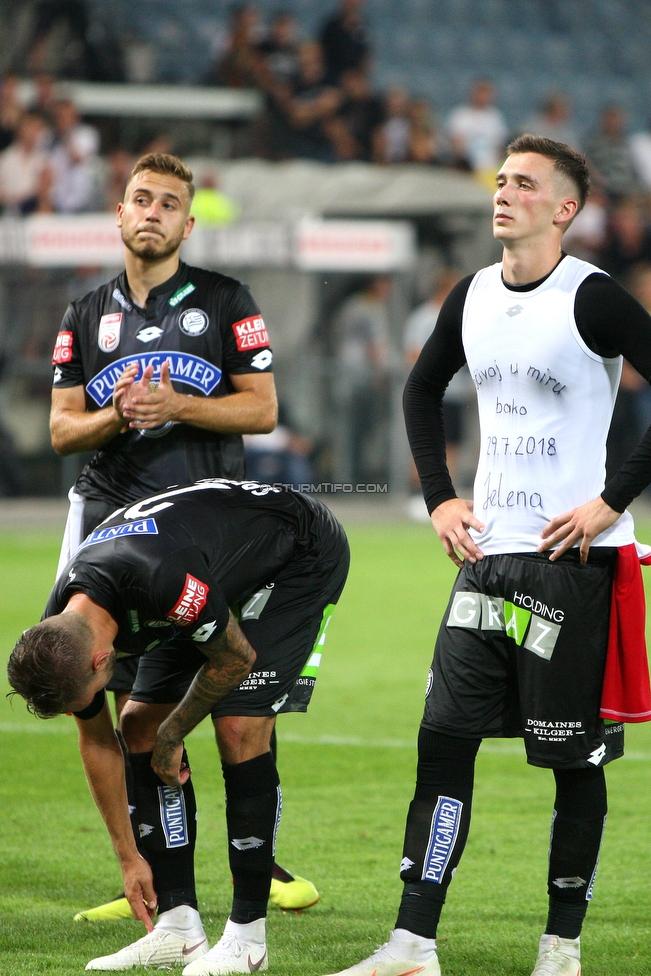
x: 191, y: 603
x: 250, y: 333
x: 62, y: 349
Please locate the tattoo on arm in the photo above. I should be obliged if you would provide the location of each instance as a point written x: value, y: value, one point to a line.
x: 230, y: 659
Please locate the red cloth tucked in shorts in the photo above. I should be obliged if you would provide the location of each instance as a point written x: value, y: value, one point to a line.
x: 626, y: 695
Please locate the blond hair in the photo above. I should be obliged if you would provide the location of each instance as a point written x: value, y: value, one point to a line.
x: 166, y: 164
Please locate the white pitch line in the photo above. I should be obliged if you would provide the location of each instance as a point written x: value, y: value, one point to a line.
x: 37, y: 729
x: 356, y: 742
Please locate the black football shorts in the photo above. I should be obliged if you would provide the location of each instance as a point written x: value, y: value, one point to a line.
x: 521, y: 652
x: 285, y: 623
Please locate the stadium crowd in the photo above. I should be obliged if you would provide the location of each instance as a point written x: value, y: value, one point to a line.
x: 320, y: 104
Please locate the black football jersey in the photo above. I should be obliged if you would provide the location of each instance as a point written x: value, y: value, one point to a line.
x: 206, y: 326
x: 171, y: 565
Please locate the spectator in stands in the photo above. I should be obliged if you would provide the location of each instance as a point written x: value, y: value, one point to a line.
x: 119, y: 164
x: 344, y: 39
x: 362, y: 330
x: 640, y: 143
x: 609, y: 155
x: 279, y: 50
x: 628, y: 239
x: 282, y: 457
x: 359, y: 115
x: 312, y: 106
x: 12, y: 475
x: 25, y: 173
x: 11, y: 110
x: 241, y: 65
x: 426, y: 141
x: 553, y: 121
x: 160, y: 143
x: 392, y: 137
x: 625, y: 426
x: 421, y: 320
x: 585, y: 238
x: 478, y: 131
x: 67, y: 20
x: 419, y: 326
x: 210, y: 206
x: 74, y: 161
x: 638, y: 282
x: 280, y: 65
x: 12, y: 478
x: 46, y: 96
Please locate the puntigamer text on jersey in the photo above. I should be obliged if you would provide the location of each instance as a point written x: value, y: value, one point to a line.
x: 185, y: 368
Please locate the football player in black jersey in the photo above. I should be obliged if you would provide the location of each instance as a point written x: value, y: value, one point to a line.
x: 159, y: 372
x: 223, y: 590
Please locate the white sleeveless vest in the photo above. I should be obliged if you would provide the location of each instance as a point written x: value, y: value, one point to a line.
x: 545, y: 403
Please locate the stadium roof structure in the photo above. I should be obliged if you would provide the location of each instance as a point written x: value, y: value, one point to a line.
x: 291, y: 190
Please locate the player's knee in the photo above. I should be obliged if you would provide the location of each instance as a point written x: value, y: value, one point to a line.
x: 139, y: 724
x: 240, y: 738
x: 581, y: 793
x: 121, y: 699
x: 436, y: 746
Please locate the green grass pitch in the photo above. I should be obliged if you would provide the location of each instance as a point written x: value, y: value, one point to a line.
x: 347, y: 769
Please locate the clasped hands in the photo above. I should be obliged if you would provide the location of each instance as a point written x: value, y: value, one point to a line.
x: 142, y: 405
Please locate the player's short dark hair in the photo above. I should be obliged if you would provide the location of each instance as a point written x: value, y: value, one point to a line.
x: 567, y: 161
x: 49, y: 666
x: 167, y: 164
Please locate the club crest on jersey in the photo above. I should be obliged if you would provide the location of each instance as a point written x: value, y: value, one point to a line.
x: 108, y: 337
x: 193, y: 322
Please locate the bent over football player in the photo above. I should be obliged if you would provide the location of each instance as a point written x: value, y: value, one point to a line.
x: 224, y: 591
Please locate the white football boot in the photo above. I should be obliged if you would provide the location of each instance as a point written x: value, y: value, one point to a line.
x: 405, y: 954
x: 177, y: 939
x: 241, y: 949
x: 558, y: 957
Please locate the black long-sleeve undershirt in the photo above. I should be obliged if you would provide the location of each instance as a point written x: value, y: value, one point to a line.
x: 611, y: 323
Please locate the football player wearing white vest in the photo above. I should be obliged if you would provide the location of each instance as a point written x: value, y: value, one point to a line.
x: 159, y: 372
x: 521, y: 650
